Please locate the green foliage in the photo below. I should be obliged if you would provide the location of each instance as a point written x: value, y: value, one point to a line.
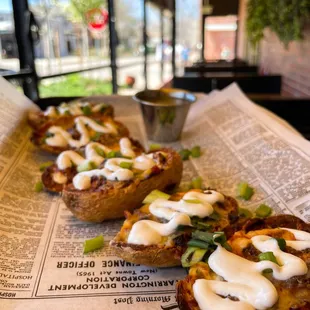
x: 78, y: 8
x: 75, y: 85
x: 285, y: 17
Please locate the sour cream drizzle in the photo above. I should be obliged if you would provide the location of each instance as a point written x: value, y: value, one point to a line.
x: 244, y: 278
x: 113, y: 172
x: 148, y: 232
x: 62, y: 138
x: 167, y: 209
x: 73, y: 108
x: 67, y: 158
x: 126, y: 148
x: 303, y: 239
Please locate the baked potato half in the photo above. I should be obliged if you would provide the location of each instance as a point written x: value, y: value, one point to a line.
x: 74, y: 132
x: 293, y: 293
x: 106, y: 199
x: 169, y: 250
x: 42, y: 119
x: 55, y: 176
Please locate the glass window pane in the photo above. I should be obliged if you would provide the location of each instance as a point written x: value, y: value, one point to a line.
x: 79, y: 84
x: 70, y: 41
x: 130, y: 51
x: 188, y: 31
x: 8, y: 47
x: 220, y: 34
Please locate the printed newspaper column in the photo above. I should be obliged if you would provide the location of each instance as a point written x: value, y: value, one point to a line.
x: 69, y: 272
x: 24, y: 214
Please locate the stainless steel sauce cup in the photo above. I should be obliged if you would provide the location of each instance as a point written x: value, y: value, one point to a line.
x: 164, y: 113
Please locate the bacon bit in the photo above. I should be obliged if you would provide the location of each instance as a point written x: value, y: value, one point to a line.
x: 127, y: 214
x: 155, y: 170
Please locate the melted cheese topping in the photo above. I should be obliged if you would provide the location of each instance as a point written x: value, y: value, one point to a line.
x: 112, y: 171
x: 62, y: 138
x: 149, y: 232
x: 244, y: 278
x: 73, y: 108
x: 167, y: 209
x: 59, y: 178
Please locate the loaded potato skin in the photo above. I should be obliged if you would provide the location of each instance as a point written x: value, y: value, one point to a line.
x: 106, y: 200
x: 169, y: 251
x: 293, y: 293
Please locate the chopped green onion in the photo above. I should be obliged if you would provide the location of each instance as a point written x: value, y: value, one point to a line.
x: 154, y: 147
x: 38, y: 187
x: 88, y: 165
x: 227, y: 246
x: 192, y: 256
x: 111, y: 154
x: 198, y: 224
x: 43, y: 166
x: 155, y: 194
x: 67, y: 112
x: 245, y: 213
x: 125, y: 165
x: 268, y: 256
x: 281, y: 243
x: 198, y: 256
x: 203, y: 236
x: 192, y: 200
x: 198, y: 244
x: 195, y: 151
x: 263, y: 211
x: 100, y: 151
x: 215, y: 216
x: 93, y: 244
x: 219, y: 237
x: 86, y: 110
x: 197, y: 183
x: 202, y: 226
x: 114, y: 154
x: 185, y: 153
x: 96, y: 136
x: 186, y: 257
x: 245, y: 191
x: 211, y: 238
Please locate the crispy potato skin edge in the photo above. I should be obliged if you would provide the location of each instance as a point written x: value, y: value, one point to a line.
x: 152, y: 256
